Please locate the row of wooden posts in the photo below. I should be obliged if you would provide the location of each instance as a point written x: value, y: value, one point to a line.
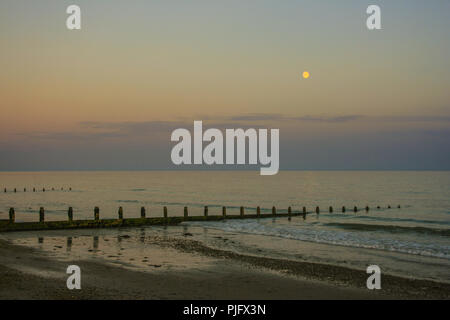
x: 34, y: 189
x: 12, y: 214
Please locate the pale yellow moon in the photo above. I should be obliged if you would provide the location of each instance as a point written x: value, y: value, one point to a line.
x: 305, y: 74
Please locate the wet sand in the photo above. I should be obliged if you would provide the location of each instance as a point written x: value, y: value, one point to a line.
x: 29, y: 273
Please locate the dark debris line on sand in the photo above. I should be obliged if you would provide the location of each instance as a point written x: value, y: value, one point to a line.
x: 393, y: 285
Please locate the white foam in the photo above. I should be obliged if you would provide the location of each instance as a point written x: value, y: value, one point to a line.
x: 333, y: 237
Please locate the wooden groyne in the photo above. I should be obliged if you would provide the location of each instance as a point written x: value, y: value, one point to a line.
x: 11, y: 225
x: 121, y: 221
x: 15, y: 190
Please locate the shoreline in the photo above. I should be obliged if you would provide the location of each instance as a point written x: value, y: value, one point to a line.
x: 391, y: 284
x: 26, y: 272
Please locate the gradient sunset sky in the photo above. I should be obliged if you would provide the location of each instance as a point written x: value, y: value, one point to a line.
x: 108, y: 96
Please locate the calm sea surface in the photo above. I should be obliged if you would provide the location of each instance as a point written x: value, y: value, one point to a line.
x: 412, y: 241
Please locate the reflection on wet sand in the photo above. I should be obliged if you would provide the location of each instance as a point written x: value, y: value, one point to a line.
x: 95, y: 243
x: 69, y: 244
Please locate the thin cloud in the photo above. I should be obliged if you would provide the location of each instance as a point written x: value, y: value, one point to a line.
x: 132, y: 126
x: 258, y: 117
x: 285, y: 118
x: 346, y: 118
x: 414, y: 118
x: 110, y: 130
x: 251, y: 117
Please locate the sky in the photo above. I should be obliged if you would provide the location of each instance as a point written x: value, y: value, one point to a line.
x: 108, y: 96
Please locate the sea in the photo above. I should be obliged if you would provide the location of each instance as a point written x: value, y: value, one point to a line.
x: 406, y: 230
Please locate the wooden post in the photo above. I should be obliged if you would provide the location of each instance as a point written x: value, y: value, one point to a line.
x: 143, y: 212
x: 378, y: 207
x: 398, y: 206
x: 15, y: 190
x: 12, y: 215
x: 5, y: 190
x: 304, y: 210
x: 389, y: 207
x: 224, y: 211
x: 120, y: 213
x: 343, y: 209
x: 186, y: 213
x: 242, y: 211
x: 355, y: 209
x: 24, y: 189
x: 96, y: 213
x: 258, y: 211
x: 41, y: 214
x: 274, y: 210
x: 289, y: 211
x: 206, y: 211
x: 331, y: 209
x: 317, y: 210
x: 43, y: 189
x: 34, y: 189
x: 165, y: 212
x: 367, y: 208
x: 70, y: 214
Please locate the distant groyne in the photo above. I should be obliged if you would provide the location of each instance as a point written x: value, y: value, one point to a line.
x: 15, y: 190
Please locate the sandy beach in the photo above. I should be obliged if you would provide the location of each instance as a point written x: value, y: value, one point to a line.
x: 30, y: 273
